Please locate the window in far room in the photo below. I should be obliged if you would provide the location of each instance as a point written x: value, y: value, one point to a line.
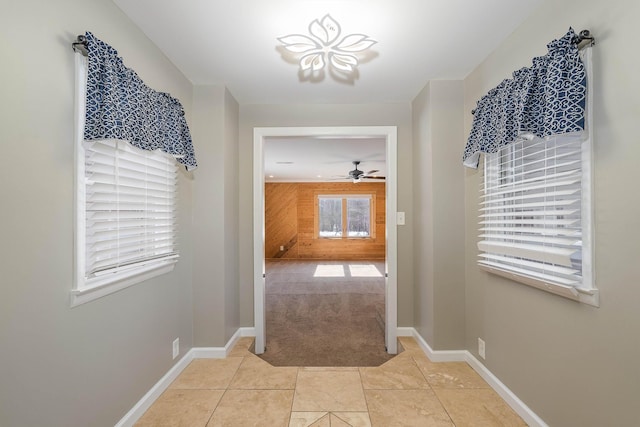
x: 345, y: 216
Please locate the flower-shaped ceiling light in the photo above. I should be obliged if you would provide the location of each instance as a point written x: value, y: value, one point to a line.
x: 324, y: 46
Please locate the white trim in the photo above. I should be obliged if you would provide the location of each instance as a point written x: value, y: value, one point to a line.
x: 588, y: 206
x: 247, y: 332
x: 390, y: 133
x: 391, y: 229
x: 150, y: 397
x: 258, y: 241
x: 405, y: 331
x: 222, y: 352
x: 512, y: 400
x: 503, y: 391
x: 81, y: 296
x: 439, y: 355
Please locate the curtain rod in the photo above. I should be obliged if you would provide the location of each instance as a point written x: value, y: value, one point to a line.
x: 80, y: 45
x: 584, y: 39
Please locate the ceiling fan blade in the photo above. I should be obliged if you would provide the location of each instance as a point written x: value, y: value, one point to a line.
x: 372, y: 171
x: 374, y: 177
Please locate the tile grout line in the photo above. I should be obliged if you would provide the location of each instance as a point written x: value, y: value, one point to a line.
x: 366, y: 402
x: 226, y: 389
x: 293, y: 398
x: 433, y: 390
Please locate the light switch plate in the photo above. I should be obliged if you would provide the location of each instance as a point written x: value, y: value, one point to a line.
x: 400, y: 218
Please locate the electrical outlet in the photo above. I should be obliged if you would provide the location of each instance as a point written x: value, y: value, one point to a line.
x: 481, y: 348
x: 176, y: 347
x: 282, y: 248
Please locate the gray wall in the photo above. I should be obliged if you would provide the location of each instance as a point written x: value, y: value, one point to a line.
x: 62, y: 366
x: 438, y: 244
x: 215, y: 213
x: 327, y: 115
x: 231, y: 216
x: 573, y: 364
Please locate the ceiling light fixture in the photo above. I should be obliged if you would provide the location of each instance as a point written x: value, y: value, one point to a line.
x: 325, y: 47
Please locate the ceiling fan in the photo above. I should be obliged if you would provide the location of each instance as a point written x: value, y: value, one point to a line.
x: 357, y: 175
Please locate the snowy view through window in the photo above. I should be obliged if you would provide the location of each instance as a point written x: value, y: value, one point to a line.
x: 335, y: 221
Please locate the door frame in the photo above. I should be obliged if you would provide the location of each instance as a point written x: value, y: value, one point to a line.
x: 390, y: 134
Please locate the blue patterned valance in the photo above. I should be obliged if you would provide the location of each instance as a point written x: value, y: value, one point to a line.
x: 546, y: 99
x: 120, y: 106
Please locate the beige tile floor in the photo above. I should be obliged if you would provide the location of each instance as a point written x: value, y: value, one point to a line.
x: 408, y: 390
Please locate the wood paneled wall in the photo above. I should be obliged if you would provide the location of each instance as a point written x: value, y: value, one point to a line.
x: 290, y: 218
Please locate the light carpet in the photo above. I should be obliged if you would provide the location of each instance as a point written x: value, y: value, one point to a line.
x: 325, y: 313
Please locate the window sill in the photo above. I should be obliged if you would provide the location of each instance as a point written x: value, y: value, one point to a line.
x: 104, y: 286
x: 585, y: 296
x: 345, y: 238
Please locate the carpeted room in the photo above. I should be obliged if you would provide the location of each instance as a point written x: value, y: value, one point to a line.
x: 325, y: 295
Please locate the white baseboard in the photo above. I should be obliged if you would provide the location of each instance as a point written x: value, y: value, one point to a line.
x: 438, y: 355
x: 512, y: 400
x: 404, y: 331
x: 147, y: 400
x: 247, y: 331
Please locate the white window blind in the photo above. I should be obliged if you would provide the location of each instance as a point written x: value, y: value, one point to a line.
x: 535, y: 215
x: 130, y: 207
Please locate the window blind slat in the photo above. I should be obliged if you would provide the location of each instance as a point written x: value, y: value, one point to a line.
x: 159, y: 260
x: 549, y: 240
x: 520, y: 213
x: 555, y: 255
x: 98, y: 160
x: 547, y: 194
x: 535, y: 186
x: 565, y: 271
x: 546, y: 222
x: 530, y: 273
x: 574, y: 163
x: 102, y: 226
x: 101, y: 268
x: 545, y: 180
x: 125, y: 181
x: 533, y: 230
x: 131, y: 250
x: 129, y: 206
x: 539, y: 204
x: 113, y: 241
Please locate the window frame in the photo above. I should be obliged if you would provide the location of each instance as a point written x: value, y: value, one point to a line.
x: 344, y: 197
x: 87, y: 289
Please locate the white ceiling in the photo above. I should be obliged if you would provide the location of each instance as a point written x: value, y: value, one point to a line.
x: 321, y: 159
x: 234, y: 42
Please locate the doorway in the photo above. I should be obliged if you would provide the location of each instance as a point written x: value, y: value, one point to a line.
x: 389, y: 134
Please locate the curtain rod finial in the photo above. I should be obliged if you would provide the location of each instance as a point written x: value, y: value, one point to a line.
x: 584, y: 39
x: 80, y: 45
